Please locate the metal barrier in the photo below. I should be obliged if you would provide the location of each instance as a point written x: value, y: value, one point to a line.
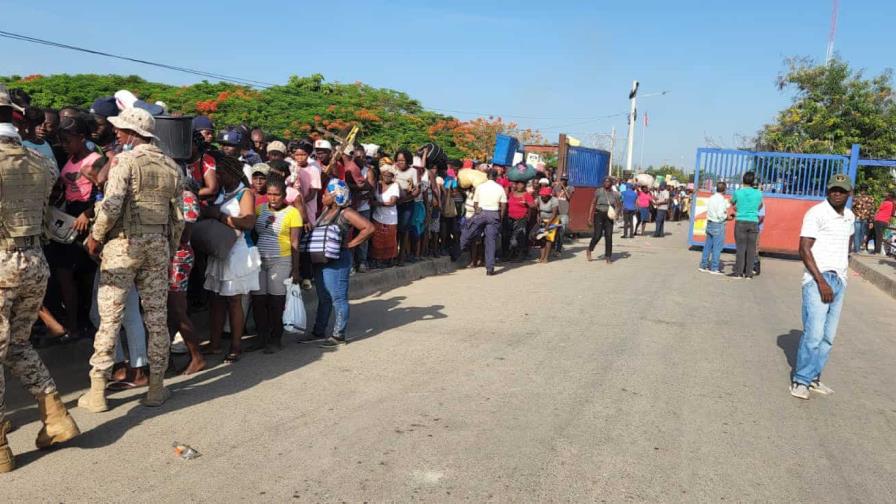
x: 778, y: 174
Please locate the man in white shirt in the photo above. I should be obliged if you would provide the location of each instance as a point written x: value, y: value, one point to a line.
x: 716, y: 217
x: 490, y: 204
x: 824, y: 248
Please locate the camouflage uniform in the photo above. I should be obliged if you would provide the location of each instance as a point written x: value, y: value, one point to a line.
x: 26, y: 179
x: 139, y: 220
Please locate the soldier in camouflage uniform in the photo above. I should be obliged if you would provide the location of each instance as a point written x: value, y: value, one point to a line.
x: 138, y: 227
x: 26, y: 179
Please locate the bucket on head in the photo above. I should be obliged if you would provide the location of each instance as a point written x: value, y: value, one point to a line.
x: 175, y: 135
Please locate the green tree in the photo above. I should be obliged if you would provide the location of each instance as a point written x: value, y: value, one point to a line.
x: 301, y: 107
x: 834, y: 107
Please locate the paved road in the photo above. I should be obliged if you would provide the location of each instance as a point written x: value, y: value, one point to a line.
x: 642, y: 381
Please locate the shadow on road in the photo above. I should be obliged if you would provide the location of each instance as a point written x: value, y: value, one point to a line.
x: 389, y: 314
x: 789, y: 343
x: 369, y: 318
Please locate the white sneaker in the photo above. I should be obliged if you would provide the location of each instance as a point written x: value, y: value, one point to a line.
x: 716, y: 272
x: 820, y: 388
x: 178, y: 346
x: 704, y: 270
x: 799, y: 390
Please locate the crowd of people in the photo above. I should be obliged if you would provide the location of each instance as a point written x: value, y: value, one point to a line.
x: 139, y: 242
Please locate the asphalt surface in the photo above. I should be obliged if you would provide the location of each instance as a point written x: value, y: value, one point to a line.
x: 640, y: 381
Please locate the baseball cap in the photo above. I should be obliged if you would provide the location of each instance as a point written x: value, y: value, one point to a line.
x: 323, y: 144
x: 841, y: 181
x: 231, y: 137
x: 125, y: 99
x: 6, y: 101
x: 544, y: 191
x: 544, y: 181
x: 262, y: 168
x: 276, y: 146
x: 104, y: 106
x: 202, y: 123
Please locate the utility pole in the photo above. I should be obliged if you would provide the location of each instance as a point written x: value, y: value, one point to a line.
x: 632, y: 117
x: 613, y: 149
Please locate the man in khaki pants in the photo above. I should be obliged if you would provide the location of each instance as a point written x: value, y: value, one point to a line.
x: 26, y: 179
x: 137, y: 228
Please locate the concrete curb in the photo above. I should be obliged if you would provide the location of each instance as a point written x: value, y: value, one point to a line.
x: 886, y: 283
x: 382, y: 280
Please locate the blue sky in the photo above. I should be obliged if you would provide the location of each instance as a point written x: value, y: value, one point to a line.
x: 555, y: 66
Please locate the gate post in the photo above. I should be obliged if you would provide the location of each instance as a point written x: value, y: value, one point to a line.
x: 854, y: 163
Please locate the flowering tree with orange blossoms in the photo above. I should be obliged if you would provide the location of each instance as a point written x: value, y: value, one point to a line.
x: 475, y: 139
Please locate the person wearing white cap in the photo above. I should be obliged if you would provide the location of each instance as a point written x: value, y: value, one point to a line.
x: 323, y: 152
x: 138, y: 227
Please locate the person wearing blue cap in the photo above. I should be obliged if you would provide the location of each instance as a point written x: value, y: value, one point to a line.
x: 205, y: 126
x: 331, y: 278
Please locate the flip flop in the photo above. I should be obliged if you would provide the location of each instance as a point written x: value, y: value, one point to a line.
x: 120, y: 385
x: 232, y: 357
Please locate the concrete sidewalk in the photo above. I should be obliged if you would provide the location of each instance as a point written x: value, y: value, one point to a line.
x: 879, y: 270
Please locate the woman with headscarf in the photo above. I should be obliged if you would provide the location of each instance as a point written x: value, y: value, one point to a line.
x: 232, y: 278
x: 331, y: 278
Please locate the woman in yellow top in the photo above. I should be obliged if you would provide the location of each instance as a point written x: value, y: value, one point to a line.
x: 279, y: 228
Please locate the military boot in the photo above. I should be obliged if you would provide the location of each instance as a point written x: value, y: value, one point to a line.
x: 7, y: 460
x: 95, y: 398
x: 157, y: 393
x: 59, y: 426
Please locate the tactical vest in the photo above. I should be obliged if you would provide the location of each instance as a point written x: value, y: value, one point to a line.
x: 25, y: 180
x: 155, y: 181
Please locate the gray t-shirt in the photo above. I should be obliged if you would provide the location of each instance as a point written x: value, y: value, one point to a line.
x: 605, y: 199
x: 663, y: 196
x: 546, y: 209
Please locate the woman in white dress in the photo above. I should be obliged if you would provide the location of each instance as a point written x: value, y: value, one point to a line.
x: 235, y: 277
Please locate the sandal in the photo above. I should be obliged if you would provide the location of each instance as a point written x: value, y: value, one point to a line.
x: 232, y: 357
x: 120, y: 385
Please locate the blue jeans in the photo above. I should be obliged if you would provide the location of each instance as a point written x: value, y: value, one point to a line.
x: 488, y: 221
x: 819, y: 328
x: 859, y: 237
x: 660, y: 221
x: 712, y: 247
x: 331, y: 282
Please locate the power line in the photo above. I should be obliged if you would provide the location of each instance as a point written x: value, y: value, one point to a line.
x: 259, y: 84
x: 202, y: 73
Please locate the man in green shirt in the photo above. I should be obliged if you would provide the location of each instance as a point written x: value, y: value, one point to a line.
x: 746, y: 203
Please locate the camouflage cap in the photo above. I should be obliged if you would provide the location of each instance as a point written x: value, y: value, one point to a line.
x: 137, y: 120
x: 841, y: 181
x: 6, y: 101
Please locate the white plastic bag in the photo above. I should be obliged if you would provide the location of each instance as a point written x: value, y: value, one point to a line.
x: 294, y: 318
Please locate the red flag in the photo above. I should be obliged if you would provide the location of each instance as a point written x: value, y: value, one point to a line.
x: 645, y: 119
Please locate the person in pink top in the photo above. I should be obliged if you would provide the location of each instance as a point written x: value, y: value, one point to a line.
x: 308, y: 183
x: 645, y: 199
x: 72, y: 267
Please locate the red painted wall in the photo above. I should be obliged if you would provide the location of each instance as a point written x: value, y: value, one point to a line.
x: 783, y: 220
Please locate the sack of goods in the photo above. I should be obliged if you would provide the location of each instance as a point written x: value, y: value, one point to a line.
x: 521, y: 173
x: 469, y: 177
x: 644, y: 179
